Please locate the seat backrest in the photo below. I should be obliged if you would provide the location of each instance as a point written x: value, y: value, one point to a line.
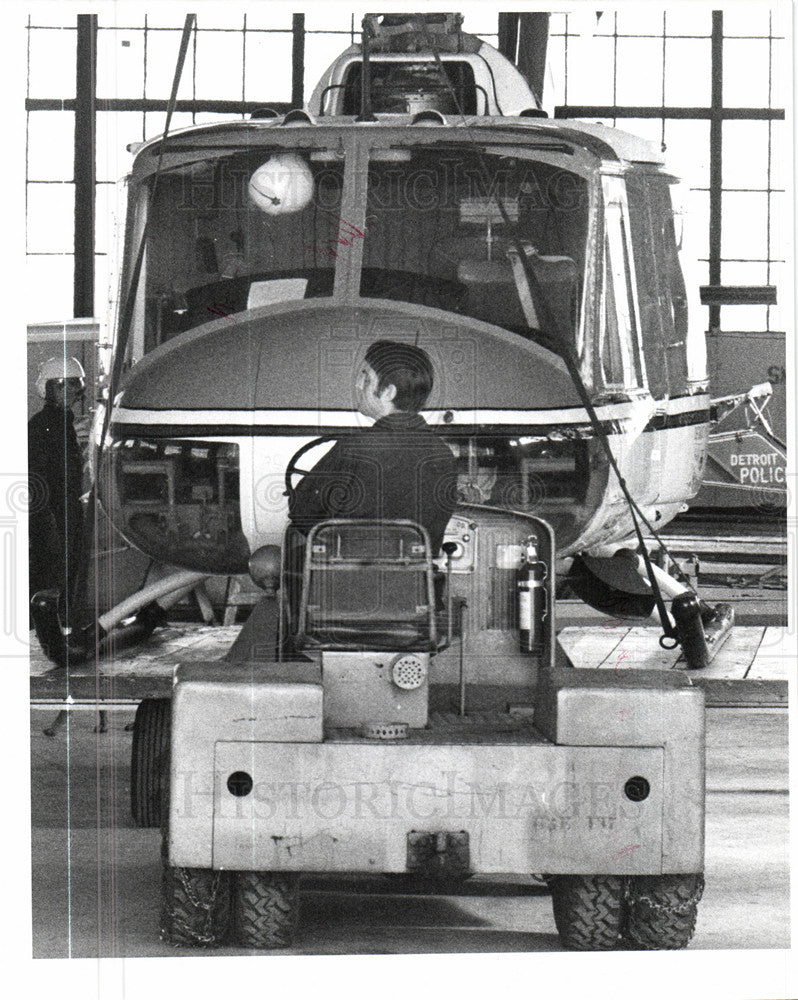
x: 367, y: 585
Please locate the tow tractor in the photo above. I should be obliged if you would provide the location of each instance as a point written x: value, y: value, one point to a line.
x: 376, y: 729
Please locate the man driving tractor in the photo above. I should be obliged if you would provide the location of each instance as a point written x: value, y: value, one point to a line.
x: 398, y: 468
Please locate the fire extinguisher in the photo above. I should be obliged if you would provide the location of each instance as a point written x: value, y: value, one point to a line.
x: 531, y: 598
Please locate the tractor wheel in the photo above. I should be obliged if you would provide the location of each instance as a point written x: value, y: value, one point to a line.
x: 195, y: 905
x: 588, y: 910
x: 662, y: 910
x: 265, y: 909
x: 149, y: 760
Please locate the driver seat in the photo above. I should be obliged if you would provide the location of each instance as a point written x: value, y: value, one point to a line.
x: 367, y: 585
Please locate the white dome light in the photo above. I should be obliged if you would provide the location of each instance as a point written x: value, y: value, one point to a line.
x: 281, y: 185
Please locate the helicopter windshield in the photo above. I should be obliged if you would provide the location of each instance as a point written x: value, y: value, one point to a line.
x: 442, y: 223
x: 439, y: 225
x: 223, y: 238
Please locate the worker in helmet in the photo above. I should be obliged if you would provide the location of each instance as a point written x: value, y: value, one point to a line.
x: 55, y: 469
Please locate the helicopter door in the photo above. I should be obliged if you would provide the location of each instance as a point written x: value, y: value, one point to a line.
x: 621, y: 366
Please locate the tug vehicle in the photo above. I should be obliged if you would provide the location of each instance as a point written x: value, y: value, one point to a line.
x: 386, y: 745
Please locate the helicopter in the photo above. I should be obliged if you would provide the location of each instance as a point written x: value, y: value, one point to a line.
x: 421, y: 195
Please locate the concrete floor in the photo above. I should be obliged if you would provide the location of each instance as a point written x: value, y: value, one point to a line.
x: 96, y: 877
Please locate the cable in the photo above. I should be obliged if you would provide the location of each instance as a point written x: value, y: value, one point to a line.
x: 564, y: 349
x: 126, y: 320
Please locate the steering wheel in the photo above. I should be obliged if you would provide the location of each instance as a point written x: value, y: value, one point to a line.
x: 292, y: 470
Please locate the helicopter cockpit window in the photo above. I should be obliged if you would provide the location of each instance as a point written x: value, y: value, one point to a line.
x: 619, y: 366
x: 660, y: 284
x: 408, y: 86
x: 229, y: 233
x: 437, y: 235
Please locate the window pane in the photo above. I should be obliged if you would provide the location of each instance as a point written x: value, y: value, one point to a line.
x: 746, y: 19
x: 778, y: 315
x: 268, y: 68
x: 50, y: 218
x: 745, y: 73
x: 781, y: 83
x: 48, y: 288
x: 639, y: 71
x: 55, y: 16
x: 105, y: 216
x: 120, y: 63
x: 690, y: 19
x: 165, y: 15
x: 52, y: 62
x: 327, y: 17
x: 747, y: 318
x: 554, y: 84
x: 114, y: 130
x: 745, y: 273
x: 646, y: 128
x: 696, y: 233
x: 687, y: 151
x: 781, y: 169
x: 271, y: 16
x: 219, y: 16
x: 744, y: 226
x: 51, y: 137
x: 688, y: 82
x: 745, y: 154
x: 162, y: 51
x: 110, y: 16
x: 102, y: 290
x: 156, y: 122
x: 219, y: 74
x: 635, y: 20
x: 320, y: 51
x: 781, y: 223
x: 590, y: 62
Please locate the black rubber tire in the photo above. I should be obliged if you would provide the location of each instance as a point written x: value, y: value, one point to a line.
x: 195, y: 906
x: 662, y: 910
x: 265, y: 909
x: 195, y: 902
x: 589, y: 910
x: 148, y: 760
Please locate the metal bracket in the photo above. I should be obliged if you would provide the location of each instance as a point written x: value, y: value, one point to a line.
x: 445, y: 853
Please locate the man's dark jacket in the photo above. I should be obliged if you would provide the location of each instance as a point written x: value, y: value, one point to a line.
x: 55, y: 467
x: 397, y: 469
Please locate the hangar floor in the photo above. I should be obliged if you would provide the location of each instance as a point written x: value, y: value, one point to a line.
x: 96, y: 877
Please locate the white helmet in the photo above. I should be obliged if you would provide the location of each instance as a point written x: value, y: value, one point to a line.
x: 58, y: 368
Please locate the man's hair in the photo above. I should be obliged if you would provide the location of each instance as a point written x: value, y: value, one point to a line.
x: 404, y: 366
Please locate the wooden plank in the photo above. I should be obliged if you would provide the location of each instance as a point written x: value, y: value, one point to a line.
x: 640, y: 650
x: 588, y: 647
x: 775, y: 658
x: 733, y: 659
x: 156, y: 656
